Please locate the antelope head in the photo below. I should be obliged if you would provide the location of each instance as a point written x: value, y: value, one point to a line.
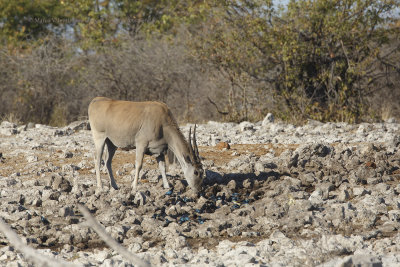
x: 194, y: 173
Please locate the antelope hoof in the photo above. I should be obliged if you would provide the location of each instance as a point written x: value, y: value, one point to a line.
x: 115, y: 186
x: 99, y: 191
x: 134, y: 188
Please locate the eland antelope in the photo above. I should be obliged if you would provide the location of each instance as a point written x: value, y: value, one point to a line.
x: 150, y: 128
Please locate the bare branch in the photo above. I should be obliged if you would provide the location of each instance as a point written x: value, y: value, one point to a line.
x: 215, y: 105
x: 93, y: 223
x: 345, y: 53
x: 30, y: 253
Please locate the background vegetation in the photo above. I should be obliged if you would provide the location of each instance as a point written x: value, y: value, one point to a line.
x: 234, y: 60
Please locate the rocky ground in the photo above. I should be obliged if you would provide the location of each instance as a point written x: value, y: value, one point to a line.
x: 275, y: 195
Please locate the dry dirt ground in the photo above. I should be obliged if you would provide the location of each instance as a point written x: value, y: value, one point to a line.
x: 278, y: 196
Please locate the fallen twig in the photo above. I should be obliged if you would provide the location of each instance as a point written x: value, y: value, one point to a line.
x: 30, y: 253
x: 93, y: 223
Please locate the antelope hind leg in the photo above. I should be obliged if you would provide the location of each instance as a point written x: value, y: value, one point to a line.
x: 99, y: 147
x: 111, y: 148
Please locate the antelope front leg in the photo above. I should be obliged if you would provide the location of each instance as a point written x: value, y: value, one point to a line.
x: 161, y: 166
x: 139, y: 162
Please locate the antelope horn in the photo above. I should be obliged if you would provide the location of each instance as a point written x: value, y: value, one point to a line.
x: 190, y: 142
x: 196, y: 150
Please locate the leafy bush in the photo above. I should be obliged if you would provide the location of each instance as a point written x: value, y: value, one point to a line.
x: 224, y: 60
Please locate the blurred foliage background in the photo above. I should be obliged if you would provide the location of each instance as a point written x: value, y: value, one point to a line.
x: 230, y: 60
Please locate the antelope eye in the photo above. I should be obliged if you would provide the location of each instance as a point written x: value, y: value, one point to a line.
x: 196, y: 173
